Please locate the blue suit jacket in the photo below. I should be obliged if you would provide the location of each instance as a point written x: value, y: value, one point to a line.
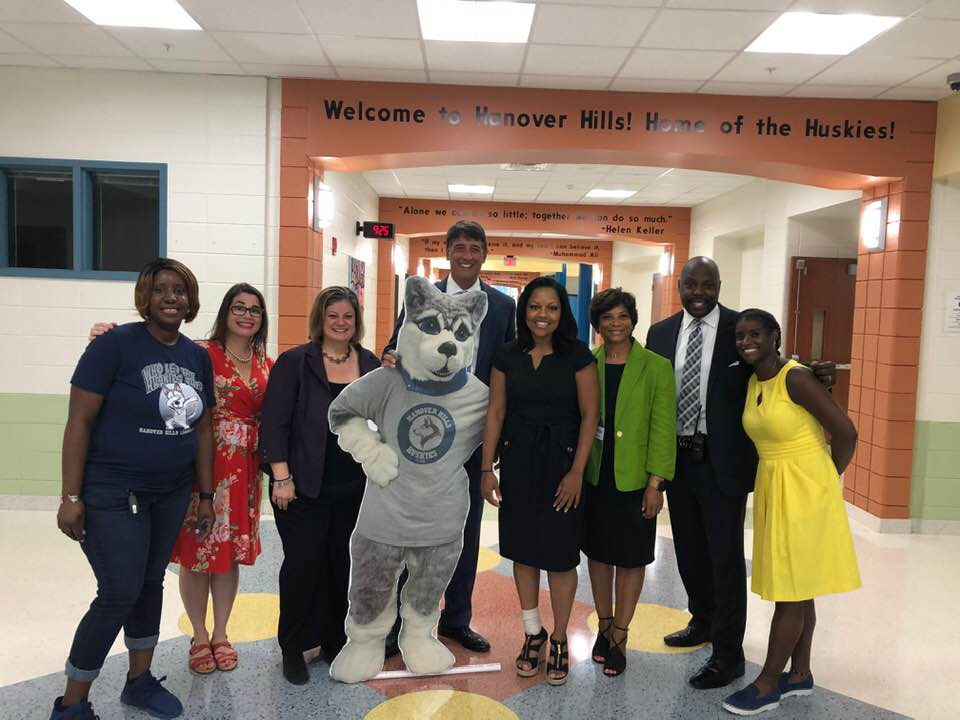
x: 498, y: 328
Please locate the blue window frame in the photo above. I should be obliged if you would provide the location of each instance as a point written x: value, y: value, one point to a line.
x: 88, y: 210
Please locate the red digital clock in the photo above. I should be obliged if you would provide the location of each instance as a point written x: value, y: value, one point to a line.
x: 375, y: 230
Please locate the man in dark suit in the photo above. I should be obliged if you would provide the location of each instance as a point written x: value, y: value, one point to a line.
x: 467, y: 251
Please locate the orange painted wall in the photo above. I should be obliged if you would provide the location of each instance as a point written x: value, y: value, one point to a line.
x: 888, y: 300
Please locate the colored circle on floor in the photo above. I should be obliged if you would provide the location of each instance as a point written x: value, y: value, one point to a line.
x: 254, y: 617
x: 650, y: 623
x: 440, y: 705
x: 488, y: 559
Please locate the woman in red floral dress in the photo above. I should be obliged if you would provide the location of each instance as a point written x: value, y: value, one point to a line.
x: 241, y: 367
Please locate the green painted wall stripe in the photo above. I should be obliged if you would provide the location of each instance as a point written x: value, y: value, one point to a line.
x: 935, y: 482
x: 31, y: 431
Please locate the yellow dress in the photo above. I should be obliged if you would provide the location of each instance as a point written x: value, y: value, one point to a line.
x: 801, y: 539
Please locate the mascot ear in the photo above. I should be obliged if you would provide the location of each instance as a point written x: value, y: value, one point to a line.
x: 415, y: 295
x: 477, y: 307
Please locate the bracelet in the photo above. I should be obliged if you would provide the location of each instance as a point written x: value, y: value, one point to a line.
x: 205, y: 496
x: 72, y: 498
x: 283, y: 483
x: 487, y: 471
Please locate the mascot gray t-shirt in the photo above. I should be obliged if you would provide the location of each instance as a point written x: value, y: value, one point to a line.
x: 427, y: 503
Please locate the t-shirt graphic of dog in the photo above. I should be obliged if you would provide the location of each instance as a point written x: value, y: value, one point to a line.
x: 179, y: 406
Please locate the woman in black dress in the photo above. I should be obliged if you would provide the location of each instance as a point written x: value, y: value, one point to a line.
x: 542, y: 419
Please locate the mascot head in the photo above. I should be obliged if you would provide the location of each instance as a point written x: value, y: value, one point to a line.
x: 436, y: 343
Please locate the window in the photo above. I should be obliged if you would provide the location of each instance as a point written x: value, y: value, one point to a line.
x: 64, y: 218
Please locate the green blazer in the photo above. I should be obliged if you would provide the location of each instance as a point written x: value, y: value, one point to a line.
x: 645, y: 421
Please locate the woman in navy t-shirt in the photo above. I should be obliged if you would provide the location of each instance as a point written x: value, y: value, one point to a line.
x: 138, y: 432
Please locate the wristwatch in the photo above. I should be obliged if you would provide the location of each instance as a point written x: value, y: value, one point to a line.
x: 660, y: 486
x: 205, y: 496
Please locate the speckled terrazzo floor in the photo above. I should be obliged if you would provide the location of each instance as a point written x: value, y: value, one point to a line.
x: 654, y: 685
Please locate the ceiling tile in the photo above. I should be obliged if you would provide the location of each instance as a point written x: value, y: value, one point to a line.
x: 623, y: 84
x: 603, y: 26
x: 291, y: 71
x: 674, y: 64
x: 39, y: 11
x: 72, y: 39
x: 918, y: 38
x: 787, y: 68
x: 390, y: 18
x: 730, y: 4
x: 936, y: 78
x: 941, y: 9
x: 272, y: 48
x: 183, y: 44
x: 102, y: 63
x: 452, y: 77
x: 837, y: 91
x: 197, y: 66
x: 617, y: 3
x: 574, y: 60
x: 566, y: 82
x: 706, y: 29
x: 861, y: 69
x: 905, y: 92
x: 26, y: 60
x: 382, y: 74
x: 373, y: 52
x: 277, y: 16
x: 897, y: 8
x: 731, y: 88
x: 474, y: 57
x: 8, y: 44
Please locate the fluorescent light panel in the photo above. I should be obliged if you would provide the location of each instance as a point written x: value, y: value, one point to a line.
x: 165, y: 14
x: 807, y: 33
x: 470, y: 189
x: 598, y: 193
x: 463, y: 21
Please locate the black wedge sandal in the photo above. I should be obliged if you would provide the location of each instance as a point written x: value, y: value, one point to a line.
x: 616, y: 661
x: 558, y: 662
x: 532, y: 649
x: 602, y: 644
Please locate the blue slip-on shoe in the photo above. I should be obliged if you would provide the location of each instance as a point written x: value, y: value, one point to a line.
x: 749, y: 702
x: 789, y: 689
x: 82, y: 710
x: 148, y: 694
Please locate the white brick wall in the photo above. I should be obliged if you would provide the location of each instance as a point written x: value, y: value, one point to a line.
x: 212, y: 132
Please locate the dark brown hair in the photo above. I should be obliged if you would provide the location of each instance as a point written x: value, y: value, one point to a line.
x: 143, y: 290
x: 565, y: 336
x: 258, y: 342
x: 327, y: 297
x: 468, y: 229
x: 607, y: 300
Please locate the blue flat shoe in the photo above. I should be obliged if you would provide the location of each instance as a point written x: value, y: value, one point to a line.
x: 749, y: 702
x: 82, y: 710
x: 789, y: 689
x: 148, y: 694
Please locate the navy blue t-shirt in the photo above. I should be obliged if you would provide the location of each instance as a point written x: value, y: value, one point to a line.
x: 154, y: 394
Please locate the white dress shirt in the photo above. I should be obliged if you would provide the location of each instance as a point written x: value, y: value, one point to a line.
x: 708, y: 330
x: 454, y: 289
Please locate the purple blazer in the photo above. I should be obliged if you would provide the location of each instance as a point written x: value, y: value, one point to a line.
x: 293, y: 426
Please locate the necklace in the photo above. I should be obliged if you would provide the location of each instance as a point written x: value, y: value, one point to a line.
x: 237, y: 357
x: 337, y: 360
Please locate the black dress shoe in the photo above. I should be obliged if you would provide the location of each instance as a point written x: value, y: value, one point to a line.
x: 717, y: 673
x: 391, y: 647
x: 690, y: 636
x: 465, y: 636
x: 295, y: 669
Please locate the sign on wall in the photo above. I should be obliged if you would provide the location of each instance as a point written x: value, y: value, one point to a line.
x: 356, y: 276
x: 951, y: 321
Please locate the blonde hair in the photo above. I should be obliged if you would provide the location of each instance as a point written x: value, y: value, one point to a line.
x: 327, y: 297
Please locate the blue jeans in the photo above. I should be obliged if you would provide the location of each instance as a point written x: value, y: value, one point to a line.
x: 128, y: 554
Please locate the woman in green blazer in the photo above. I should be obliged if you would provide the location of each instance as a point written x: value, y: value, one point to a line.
x: 632, y: 457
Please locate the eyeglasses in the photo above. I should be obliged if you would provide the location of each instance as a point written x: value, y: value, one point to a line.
x: 241, y: 310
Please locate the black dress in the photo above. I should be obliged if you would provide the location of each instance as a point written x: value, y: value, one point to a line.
x: 537, y: 445
x: 616, y: 531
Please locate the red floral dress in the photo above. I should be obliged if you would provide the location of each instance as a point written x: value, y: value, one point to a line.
x: 235, y: 537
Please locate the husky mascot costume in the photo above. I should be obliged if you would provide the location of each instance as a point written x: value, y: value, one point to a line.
x: 430, y: 413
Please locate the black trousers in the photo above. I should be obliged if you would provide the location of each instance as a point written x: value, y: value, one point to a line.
x: 458, y: 598
x: 315, y: 573
x: 708, y: 539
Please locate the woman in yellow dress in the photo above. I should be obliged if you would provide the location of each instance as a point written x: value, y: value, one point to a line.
x: 802, y: 546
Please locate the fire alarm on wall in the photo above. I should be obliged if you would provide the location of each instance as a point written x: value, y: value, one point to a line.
x: 333, y: 246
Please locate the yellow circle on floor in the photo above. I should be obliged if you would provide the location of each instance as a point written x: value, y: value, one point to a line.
x: 254, y: 617
x: 487, y: 560
x: 440, y: 705
x: 650, y: 623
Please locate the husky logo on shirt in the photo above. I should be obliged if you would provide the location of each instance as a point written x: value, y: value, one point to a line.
x: 179, y: 406
x: 426, y: 433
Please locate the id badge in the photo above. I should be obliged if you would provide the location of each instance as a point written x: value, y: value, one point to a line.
x: 600, y: 433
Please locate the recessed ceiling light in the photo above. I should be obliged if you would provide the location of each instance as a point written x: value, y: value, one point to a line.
x: 165, y: 14
x: 460, y: 20
x: 598, y: 193
x: 820, y: 34
x: 470, y: 189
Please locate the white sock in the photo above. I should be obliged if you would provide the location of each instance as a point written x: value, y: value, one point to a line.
x: 531, y: 621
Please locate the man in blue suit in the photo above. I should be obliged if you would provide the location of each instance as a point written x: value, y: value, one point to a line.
x: 467, y: 251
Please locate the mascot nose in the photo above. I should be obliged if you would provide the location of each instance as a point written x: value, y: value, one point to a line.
x: 448, y: 349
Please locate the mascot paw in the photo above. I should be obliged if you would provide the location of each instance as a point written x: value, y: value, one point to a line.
x: 356, y: 437
x: 382, y: 465
x: 424, y: 654
x: 358, y: 661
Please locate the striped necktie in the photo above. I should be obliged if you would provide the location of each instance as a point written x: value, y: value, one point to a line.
x: 688, y: 403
